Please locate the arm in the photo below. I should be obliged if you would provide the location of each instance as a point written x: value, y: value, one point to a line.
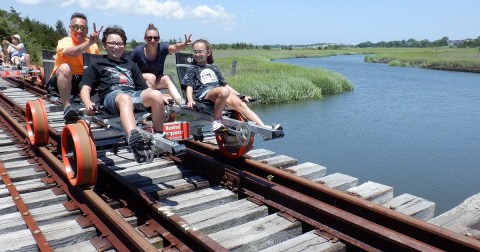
x: 74, y: 51
x: 190, y: 101
x: 85, y: 95
x: 18, y: 47
x: 137, y: 77
x: 180, y: 46
x: 79, y: 49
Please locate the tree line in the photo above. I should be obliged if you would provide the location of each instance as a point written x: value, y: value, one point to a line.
x: 35, y: 35
x: 423, y: 43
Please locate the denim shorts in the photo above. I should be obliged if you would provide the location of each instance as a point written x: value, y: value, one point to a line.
x: 109, y: 101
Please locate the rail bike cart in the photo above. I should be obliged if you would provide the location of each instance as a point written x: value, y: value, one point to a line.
x: 80, y: 141
x: 238, y: 139
x: 33, y: 75
x: 101, y: 130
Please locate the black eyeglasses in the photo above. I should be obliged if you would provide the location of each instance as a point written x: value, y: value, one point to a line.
x: 76, y: 27
x: 113, y: 44
x: 199, y: 52
x: 150, y: 38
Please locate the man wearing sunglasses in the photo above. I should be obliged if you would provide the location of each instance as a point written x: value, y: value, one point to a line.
x: 67, y: 73
x: 150, y: 58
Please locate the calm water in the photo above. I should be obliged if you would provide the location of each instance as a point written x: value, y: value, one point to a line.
x: 416, y: 130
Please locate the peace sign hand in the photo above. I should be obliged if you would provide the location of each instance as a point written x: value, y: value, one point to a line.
x: 188, y: 41
x: 93, y: 37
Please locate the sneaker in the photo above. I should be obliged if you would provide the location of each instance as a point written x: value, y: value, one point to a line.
x: 141, y: 148
x: 218, y: 127
x: 276, y: 127
x: 70, y: 115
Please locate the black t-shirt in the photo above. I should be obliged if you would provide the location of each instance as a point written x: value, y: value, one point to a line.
x: 108, y: 75
x: 202, y: 76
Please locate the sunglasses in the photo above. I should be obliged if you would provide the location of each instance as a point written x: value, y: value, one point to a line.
x: 76, y: 27
x: 150, y: 38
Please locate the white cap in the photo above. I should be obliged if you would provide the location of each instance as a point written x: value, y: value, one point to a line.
x: 17, y: 37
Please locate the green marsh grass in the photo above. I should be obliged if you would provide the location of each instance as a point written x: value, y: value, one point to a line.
x: 456, y: 59
x: 257, y: 75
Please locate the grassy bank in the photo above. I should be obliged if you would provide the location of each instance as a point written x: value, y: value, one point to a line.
x: 274, y: 82
x: 451, y: 59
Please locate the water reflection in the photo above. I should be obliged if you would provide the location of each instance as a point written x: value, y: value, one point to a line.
x: 416, y: 130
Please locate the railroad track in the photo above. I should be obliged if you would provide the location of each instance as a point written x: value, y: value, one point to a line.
x: 199, y: 201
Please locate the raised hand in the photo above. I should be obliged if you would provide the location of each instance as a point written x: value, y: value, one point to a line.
x: 188, y: 40
x: 95, y: 34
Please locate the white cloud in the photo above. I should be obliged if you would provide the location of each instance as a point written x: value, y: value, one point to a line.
x: 167, y: 9
x: 218, y: 14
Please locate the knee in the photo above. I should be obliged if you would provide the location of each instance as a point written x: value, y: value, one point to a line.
x: 241, y: 105
x: 224, y: 92
x: 64, y: 71
x: 150, y: 80
x: 123, y: 100
x: 166, y: 79
x: 153, y: 96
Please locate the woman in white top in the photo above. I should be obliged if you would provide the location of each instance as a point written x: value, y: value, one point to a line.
x: 17, y: 52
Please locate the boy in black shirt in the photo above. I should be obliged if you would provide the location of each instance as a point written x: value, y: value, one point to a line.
x: 122, y: 88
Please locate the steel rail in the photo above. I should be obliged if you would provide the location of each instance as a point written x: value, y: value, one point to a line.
x: 119, y: 232
x: 173, y: 223
x: 32, y: 225
x: 343, y: 203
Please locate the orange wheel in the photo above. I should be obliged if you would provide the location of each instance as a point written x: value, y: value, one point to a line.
x: 37, y: 122
x: 41, y: 77
x: 236, y: 148
x: 79, y: 154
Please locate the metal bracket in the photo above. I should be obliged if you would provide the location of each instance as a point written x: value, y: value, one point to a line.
x: 101, y: 243
x: 326, y: 236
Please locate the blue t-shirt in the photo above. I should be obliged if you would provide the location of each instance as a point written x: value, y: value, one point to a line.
x: 146, y: 66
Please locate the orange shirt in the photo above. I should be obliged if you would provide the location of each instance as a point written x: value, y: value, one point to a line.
x: 76, y: 63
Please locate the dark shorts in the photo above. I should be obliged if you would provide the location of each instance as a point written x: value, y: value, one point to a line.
x: 52, y: 87
x: 202, y: 92
x: 109, y: 101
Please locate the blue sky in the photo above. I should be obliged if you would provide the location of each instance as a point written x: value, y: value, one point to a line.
x: 270, y: 22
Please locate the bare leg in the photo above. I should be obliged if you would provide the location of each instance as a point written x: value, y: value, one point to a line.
x: 219, y: 96
x: 27, y: 60
x: 124, y: 104
x: 166, y: 83
x: 151, y: 99
x: 150, y: 79
x: 64, y: 83
x: 235, y: 103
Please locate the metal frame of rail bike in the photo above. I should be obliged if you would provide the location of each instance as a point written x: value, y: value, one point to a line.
x: 79, y: 143
x: 233, y: 143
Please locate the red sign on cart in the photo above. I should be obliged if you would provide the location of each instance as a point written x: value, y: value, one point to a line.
x: 176, y: 130
x: 11, y: 73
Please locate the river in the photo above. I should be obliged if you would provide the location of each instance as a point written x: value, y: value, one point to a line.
x: 417, y: 130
